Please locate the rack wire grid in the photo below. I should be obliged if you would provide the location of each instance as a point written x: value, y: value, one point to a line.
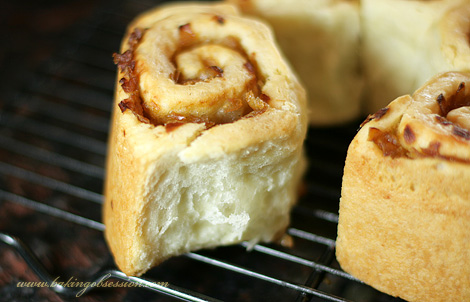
x: 53, y: 139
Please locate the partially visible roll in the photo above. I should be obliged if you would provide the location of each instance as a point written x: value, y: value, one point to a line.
x: 405, y: 43
x: 321, y: 39
x: 207, y: 132
x: 404, y: 218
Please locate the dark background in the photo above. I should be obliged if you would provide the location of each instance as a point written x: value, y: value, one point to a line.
x: 31, y: 31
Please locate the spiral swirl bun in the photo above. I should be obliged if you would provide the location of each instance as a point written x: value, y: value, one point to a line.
x: 211, y: 66
x: 207, y: 134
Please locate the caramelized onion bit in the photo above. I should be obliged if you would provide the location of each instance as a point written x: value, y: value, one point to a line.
x: 433, y: 149
x: 219, y: 71
x: 130, y: 81
x: 187, y: 36
x: 135, y: 109
x: 125, y: 104
x: 461, y: 132
x: 387, y: 142
x: 249, y: 67
x: 456, y: 129
x: 375, y: 116
x: 135, y: 37
x: 256, y: 103
x: 456, y: 100
x: 176, y: 76
x: 169, y: 127
x: 264, y: 97
x: 443, y: 121
x: 124, y: 61
x: 209, y: 72
x: 204, y: 66
x: 435, y: 122
x: 219, y: 19
x: 129, y: 85
x: 409, y: 135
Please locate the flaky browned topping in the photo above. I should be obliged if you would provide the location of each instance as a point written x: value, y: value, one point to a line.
x: 387, y: 142
x: 136, y: 109
x: 375, y: 116
x: 130, y: 81
x: 129, y: 85
x: 124, y: 61
x: 135, y: 38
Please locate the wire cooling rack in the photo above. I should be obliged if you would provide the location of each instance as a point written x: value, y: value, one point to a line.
x: 53, y: 134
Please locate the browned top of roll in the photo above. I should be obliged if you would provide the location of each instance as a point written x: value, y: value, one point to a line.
x: 200, y: 64
x: 434, y: 122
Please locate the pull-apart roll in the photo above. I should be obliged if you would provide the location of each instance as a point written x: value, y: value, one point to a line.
x: 406, y: 43
x: 321, y: 39
x: 404, y: 222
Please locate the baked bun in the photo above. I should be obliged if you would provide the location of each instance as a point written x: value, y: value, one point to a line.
x: 404, y: 218
x: 405, y: 43
x: 206, y: 141
x: 321, y: 39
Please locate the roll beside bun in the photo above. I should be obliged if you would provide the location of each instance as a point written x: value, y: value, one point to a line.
x: 404, y: 218
x: 406, y: 43
x: 206, y: 141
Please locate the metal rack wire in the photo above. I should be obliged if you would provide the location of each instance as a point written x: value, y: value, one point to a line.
x: 52, y: 149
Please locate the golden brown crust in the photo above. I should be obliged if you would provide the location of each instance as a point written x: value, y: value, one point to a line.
x: 404, y: 224
x: 148, y: 160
